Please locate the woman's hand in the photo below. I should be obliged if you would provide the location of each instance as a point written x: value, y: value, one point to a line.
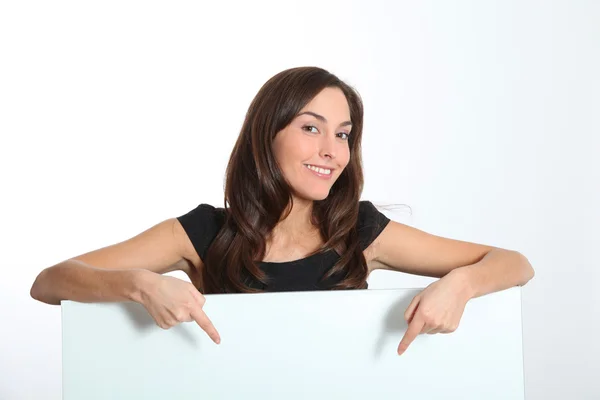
x: 437, y: 309
x: 170, y: 300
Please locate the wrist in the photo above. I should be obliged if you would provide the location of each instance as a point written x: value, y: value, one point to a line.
x: 139, y: 282
x: 464, y: 278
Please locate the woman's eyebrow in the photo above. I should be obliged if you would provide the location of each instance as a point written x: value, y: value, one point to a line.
x: 322, y: 118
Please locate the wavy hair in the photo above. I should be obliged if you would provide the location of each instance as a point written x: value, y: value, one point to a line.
x: 257, y: 196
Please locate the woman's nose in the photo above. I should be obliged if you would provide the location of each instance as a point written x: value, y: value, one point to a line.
x: 327, y: 147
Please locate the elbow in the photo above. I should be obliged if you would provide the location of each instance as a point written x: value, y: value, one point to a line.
x: 37, y: 291
x: 531, y: 273
x: 528, y: 271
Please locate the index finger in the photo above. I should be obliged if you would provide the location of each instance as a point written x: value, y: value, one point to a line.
x: 414, y: 328
x: 206, y: 324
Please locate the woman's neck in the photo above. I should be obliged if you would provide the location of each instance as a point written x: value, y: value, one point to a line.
x: 297, y: 226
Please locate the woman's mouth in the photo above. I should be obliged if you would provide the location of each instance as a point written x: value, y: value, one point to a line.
x: 323, y: 173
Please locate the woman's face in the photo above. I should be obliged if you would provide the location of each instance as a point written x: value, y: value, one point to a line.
x: 313, y: 150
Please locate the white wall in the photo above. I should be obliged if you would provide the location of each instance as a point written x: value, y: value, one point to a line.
x: 482, y: 116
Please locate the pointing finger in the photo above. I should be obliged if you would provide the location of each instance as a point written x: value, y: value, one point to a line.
x: 410, y: 310
x: 205, y: 323
x: 414, y: 328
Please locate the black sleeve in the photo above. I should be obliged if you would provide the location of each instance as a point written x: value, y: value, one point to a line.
x: 371, y: 223
x: 202, y: 224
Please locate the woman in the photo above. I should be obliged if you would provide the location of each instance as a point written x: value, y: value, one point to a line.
x: 292, y: 220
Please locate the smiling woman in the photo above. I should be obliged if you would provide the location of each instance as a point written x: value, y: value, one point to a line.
x: 291, y: 220
x: 293, y: 186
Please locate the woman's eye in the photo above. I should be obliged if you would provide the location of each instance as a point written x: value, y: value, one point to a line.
x: 309, y: 126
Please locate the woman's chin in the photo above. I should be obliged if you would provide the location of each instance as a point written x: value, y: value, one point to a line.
x: 314, y: 195
x: 320, y: 196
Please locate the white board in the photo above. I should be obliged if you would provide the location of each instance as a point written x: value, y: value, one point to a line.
x: 294, y: 345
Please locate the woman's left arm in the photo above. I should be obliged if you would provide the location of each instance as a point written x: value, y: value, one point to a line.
x: 466, y: 270
x: 499, y: 269
x: 485, y: 269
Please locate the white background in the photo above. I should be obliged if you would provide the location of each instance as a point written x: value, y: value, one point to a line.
x: 482, y: 116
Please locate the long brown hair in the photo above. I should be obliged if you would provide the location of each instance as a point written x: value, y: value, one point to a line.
x: 257, y: 194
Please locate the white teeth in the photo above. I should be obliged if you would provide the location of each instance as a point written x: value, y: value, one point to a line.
x: 319, y: 170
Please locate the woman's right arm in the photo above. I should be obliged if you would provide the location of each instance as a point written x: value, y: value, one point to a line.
x: 118, y: 272
x: 78, y: 281
x: 132, y: 270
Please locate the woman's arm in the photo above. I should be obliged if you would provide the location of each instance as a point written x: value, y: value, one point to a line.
x: 75, y: 280
x: 120, y: 271
x: 499, y: 269
x: 466, y: 270
x: 483, y: 269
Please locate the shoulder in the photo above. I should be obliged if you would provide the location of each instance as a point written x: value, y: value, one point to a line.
x: 370, y: 223
x: 202, y: 224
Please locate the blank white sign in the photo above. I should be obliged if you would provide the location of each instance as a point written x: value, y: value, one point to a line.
x: 294, y: 345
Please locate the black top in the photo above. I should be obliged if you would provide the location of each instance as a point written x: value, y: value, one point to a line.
x: 203, y: 223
